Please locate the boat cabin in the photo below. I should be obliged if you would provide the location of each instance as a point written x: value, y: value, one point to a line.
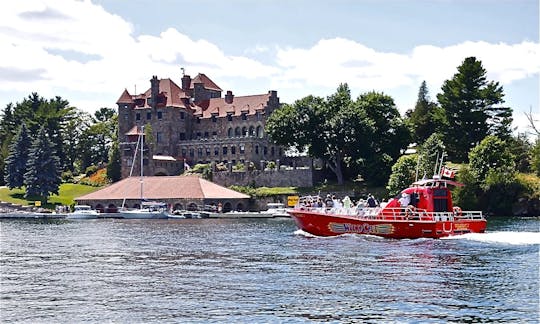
x: 431, y: 195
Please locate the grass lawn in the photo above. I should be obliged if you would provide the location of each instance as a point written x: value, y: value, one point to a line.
x: 66, y: 194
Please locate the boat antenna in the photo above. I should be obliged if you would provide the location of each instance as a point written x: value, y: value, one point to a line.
x: 442, y: 159
x: 436, y: 162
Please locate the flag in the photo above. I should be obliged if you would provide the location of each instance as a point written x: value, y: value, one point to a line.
x: 448, y: 173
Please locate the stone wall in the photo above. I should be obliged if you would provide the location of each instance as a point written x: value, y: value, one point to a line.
x: 299, y: 177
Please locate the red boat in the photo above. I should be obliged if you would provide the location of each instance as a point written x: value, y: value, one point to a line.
x: 425, y: 210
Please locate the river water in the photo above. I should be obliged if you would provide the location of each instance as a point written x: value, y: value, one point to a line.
x: 262, y: 271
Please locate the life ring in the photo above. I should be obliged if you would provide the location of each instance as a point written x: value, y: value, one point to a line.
x: 457, y: 211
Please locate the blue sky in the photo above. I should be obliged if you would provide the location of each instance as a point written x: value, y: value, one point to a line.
x: 88, y: 52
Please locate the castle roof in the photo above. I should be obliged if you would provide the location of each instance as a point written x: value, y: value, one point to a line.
x: 240, y: 104
x: 170, y: 187
x: 208, y: 84
x: 125, y: 98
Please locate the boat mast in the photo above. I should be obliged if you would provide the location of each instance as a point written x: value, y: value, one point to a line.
x: 142, y: 154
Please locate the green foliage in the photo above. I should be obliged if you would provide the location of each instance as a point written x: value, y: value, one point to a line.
x: 365, y: 135
x: 520, y: 148
x: 204, y: 170
x: 271, y: 165
x: 491, y: 154
x: 114, y: 171
x: 403, y: 174
x: 91, y: 170
x: 467, y: 196
x: 426, y: 118
x: 430, y: 151
x: 43, y: 172
x: 16, y: 161
x: 535, y: 157
x: 67, y: 176
x: 239, y: 167
x: 471, y: 106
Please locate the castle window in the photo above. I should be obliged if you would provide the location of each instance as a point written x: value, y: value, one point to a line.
x: 233, y: 150
x: 244, y: 131
x: 138, y: 116
x: 230, y: 132
x: 182, y: 115
x: 182, y: 136
x: 214, y: 119
x: 214, y: 134
x: 259, y: 132
x: 224, y: 150
x: 258, y: 116
x: 207, y: 151
x: 184, y: 151
x: 206, y: 135
x: 198, y: 135
x: 198, y: 120
x: 244, y: 116
x: 265, y: 152
x: 242, y: 148
x: 237, y: 132
x: 272, y: 151
x: 229, y: 117
x: 126, y: 116
x: 216, y: 151
x: 191, y: 152
x: 251, y: 131
x: 200, y: 151
x: 159, y: 137
x: 257, y: 149
x: 159, y: 114
x: 149, y: 115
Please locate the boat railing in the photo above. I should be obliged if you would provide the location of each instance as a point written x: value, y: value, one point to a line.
x: 398, y: 213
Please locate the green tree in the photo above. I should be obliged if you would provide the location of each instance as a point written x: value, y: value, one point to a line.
x: 15, y: 165
x: 388, y: 139
x: 430, y: 152
x: 426, y: 118
x: 43, y: 175
x: 472, y: 109
x: 535, y: 157
x: 334, y: 129
x: 114, y: 166
x: 403, y: 174
x: 97, y: 137
x: 8, y: 127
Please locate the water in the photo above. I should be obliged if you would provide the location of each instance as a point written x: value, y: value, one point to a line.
x: 262, y: 271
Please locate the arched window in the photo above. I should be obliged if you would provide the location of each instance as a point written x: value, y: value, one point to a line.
x: 251, y: 131
x: 237, y: 132
x: 259, y: 132
x: 244, y: 131
x: 230, y: 132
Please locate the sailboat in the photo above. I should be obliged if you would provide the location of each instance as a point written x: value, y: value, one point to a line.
x: 147, y: 209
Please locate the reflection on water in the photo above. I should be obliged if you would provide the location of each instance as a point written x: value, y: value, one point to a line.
x: 220, y: 270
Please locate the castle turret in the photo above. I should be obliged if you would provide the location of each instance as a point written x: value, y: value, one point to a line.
x: 154, y: 91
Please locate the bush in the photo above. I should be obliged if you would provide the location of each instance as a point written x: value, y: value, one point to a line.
x: 90, y: 170
x: 67, y: 177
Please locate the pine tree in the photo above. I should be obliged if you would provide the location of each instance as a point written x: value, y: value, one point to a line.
x: 15, y: 166
x: 43, y: 173
x: 113, y: 167
x: 471, y: 106
x: 426, y: 118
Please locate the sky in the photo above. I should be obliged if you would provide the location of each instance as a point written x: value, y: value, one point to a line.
x: 88, y: 52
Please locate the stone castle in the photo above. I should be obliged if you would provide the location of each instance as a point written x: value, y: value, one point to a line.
x: 192, y: 123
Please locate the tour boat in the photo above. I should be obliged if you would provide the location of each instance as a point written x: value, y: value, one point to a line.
x: 425, y: 211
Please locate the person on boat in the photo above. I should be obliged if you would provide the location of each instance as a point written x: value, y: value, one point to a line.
x: 347, y: 202
x: 405, y: 200
x: 329, y: 202
x: 371, y: 201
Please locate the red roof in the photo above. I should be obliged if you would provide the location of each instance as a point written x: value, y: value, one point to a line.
x: 218, y: 106
x: 191, y: 187
x: 125, y: 98
x: 208, y: 84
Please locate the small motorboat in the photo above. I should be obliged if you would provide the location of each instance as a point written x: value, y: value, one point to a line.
x: 424, y: 210
x: 276, y: 210
x: 83, y: 212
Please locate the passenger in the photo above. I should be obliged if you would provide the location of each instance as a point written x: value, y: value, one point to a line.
x: 405, y: 200
x: 329, y: 202
x: 347, y: 202
x: 371, y: 201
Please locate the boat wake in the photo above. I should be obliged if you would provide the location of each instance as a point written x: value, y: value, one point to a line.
x: 514, y: 238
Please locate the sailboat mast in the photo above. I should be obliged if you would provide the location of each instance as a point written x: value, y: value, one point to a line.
x: 142, y: 154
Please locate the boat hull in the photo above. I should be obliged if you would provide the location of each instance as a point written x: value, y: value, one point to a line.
x: 143, y: 215
x: 321, y: 224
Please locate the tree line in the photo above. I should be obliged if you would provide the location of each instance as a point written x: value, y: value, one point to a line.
x: 43, y: 141
x: 366, y: 138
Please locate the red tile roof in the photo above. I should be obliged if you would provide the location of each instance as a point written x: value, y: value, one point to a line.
x: 125, y: 98
x: 208, y: 84
x: 248, y: 104
x: 191, y: 187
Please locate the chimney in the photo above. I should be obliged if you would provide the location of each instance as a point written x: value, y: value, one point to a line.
x: 229, y: 97
x: 186, y: 82
x: 154, y: 90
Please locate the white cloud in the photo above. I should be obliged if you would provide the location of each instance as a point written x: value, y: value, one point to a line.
x: 36, y: 35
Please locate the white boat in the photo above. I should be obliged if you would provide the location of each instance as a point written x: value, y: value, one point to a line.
x: 83, y: 212
x: 147, y: 210
x: 276, y: 210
